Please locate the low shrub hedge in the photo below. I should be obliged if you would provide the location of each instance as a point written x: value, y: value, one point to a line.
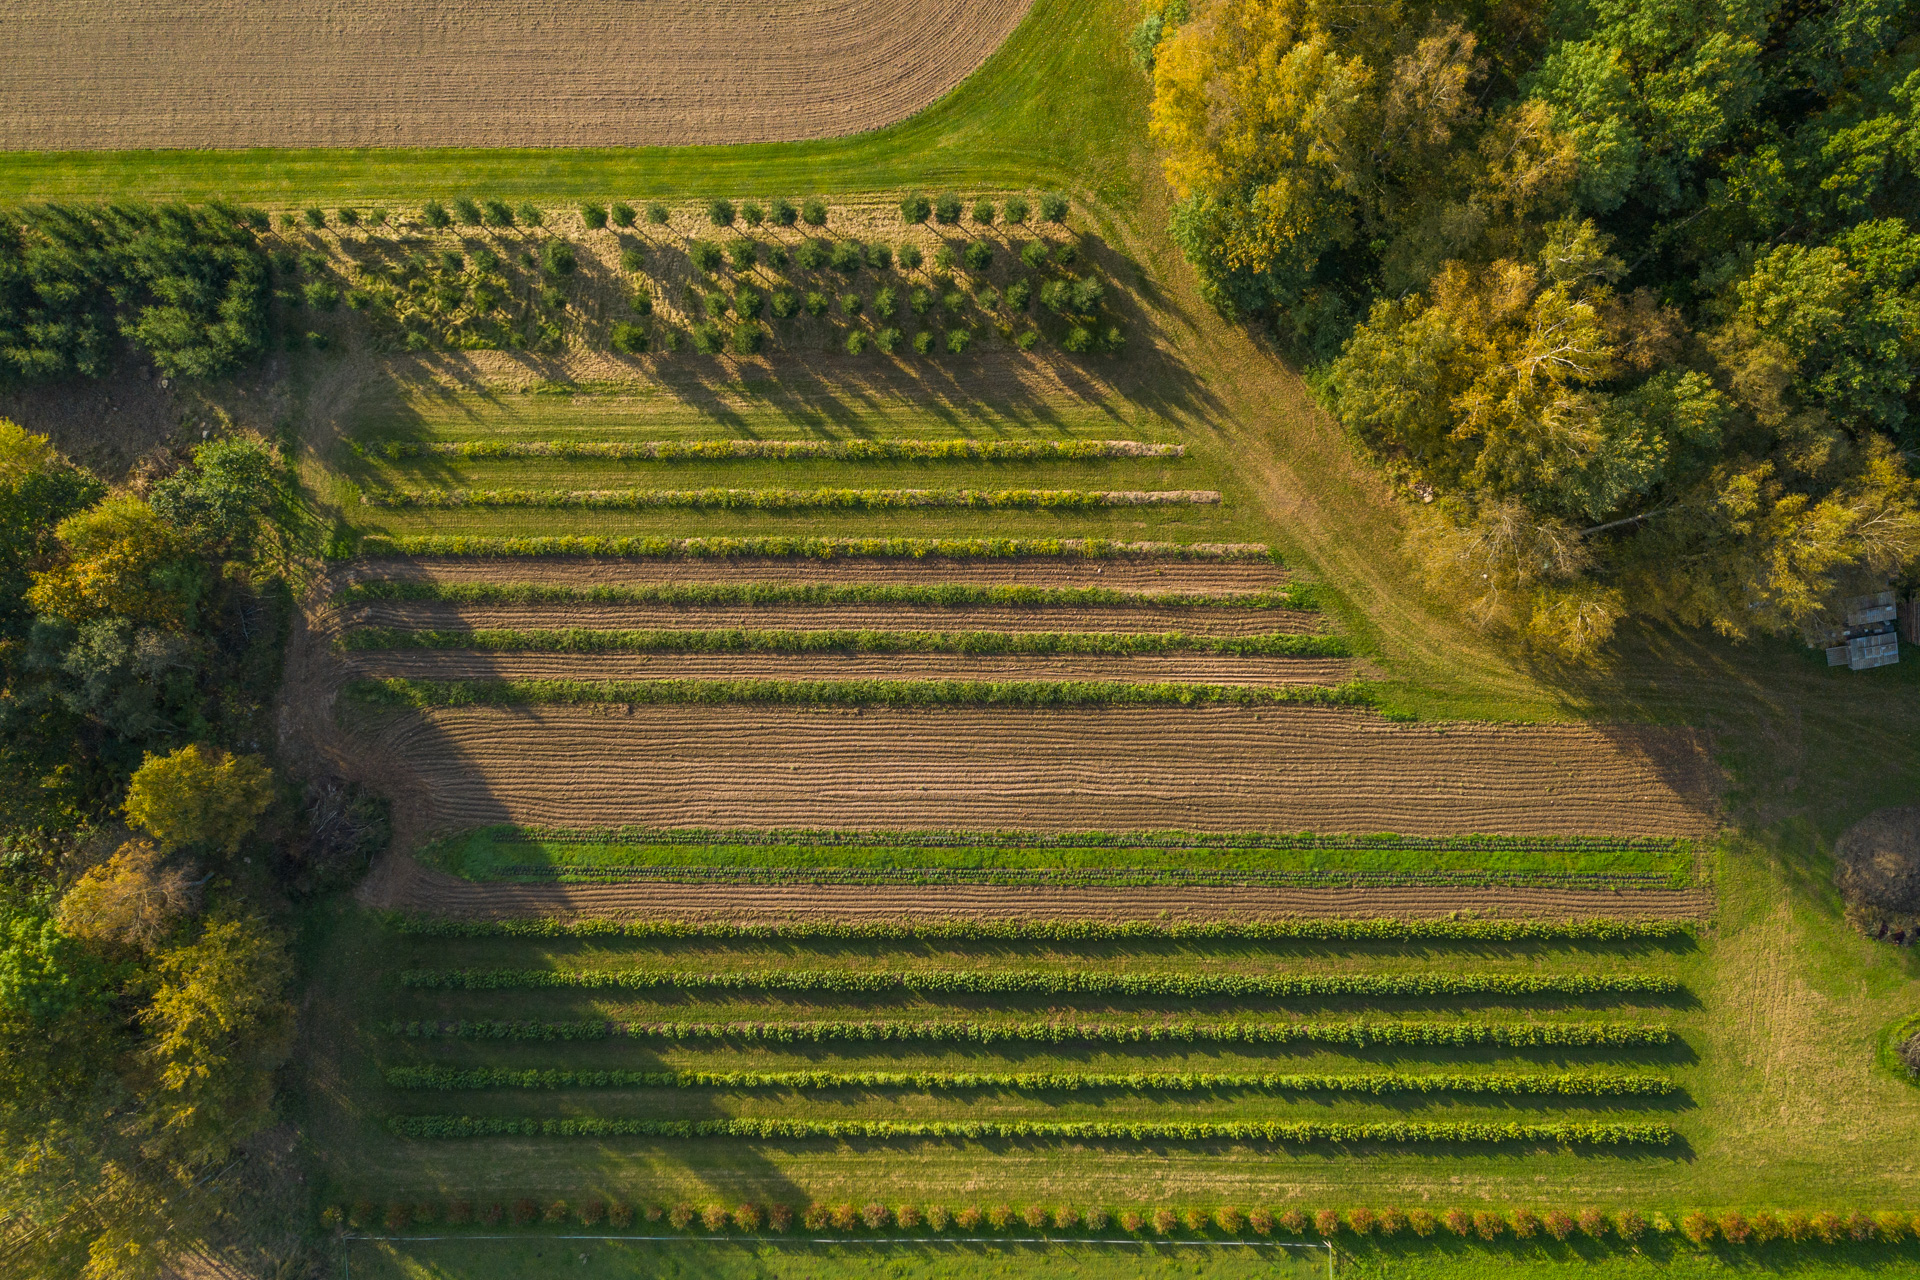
x: 800, y: 547
x: 1559, y: 1084
x: 1513, y: 1035
x: 789, y: 499
x: 873, y: 693
x: 976, y: 643
x: 1188, y: 986
x: 946, y: 593
x: 1274, y: 1131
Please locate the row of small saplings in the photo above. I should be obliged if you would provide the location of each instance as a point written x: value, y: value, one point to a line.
x: 1626, y: 1225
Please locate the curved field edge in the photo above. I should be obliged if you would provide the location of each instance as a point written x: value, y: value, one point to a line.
x: 1054, y: 105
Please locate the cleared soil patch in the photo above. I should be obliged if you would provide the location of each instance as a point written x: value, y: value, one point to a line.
x: 431, y: 614
x: 1212, y: 769
x: 1199, y: 577
x: 468, y: 664
x: 401, y: 884
x: 87, y: 75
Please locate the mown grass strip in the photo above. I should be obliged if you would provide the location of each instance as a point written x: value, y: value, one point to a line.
x: 1383, y: 929
x: 1024, y: 694
x: 1358, y: 1034
x: 948, y: 594
x: 835, y: 450
x: 788, y: 641
x: 660, y: 547
x: 1594, y: 1084
x: 1276, y: 1131
x: 1006, y: 982
x: 791, y: 499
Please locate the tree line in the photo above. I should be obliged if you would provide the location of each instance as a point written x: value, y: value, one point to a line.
x: 1625, y: 297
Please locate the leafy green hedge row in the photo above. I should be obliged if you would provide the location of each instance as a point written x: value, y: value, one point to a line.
x: 1582, y: 1084
x: 1514, y: 1035
x: 787, y: 640
x: 790, y: 499
x: 949, y: 594
x: 656, y: 546
x: 1035, y: 694
x: 1605, y: 1134
x: 1193, y: 986
x: 1381, y: 929
x: 850, y: 450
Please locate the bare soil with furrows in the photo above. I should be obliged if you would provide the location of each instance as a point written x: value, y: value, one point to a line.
x: 401, y: 884
x: 88, y: 75
x: 470, y: 664
x: 1120, y: 574
x: 1117, y: 769
x: 434, y: 614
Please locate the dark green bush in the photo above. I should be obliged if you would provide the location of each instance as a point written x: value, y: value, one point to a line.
x: 705, y: 255
x: 814, y: 213
x: 709, y: 338
x: 1016, y: 209
x: 744, y: 253
x: 1018, y: 293
x: 879, y: 256
x: 594, y: 215
x: 1034, y: 254
x: 316, y: 218
x: 1026, y: 340
x: 642, y: 302
x: 321, y: 296
x: 1065, y: 253
x: 1079, y: 339
x: 846, y: 256
x: 622, y: 214
x: 888, y: 340
x: 630, y: 338
x: 553, y: 298
x: 989, y: 299
x: 947, y: 208
x: 747, y: 304
x: 953, y: 302
x: 984, y: 212
x: 377, y: 217
x: 786, y: 303
x: 910, y: 256
x: 485, y: 259
x: 746, y: 339
x: 886, y: 303
x: 1113, y: 339
x: 958, y: 340
x: 435, y: 215
x: 529, y: 214
x: 359, y: 299
x: 632, y: 259
x: 921, y: 300
x: 453, y: 260
x: 784, y: 213
x: 943, y: 258
x: 556, y: 257
x: 777, y: 256
x: 850, y: 303
x: 313, y: 263
x: 657, y: 214
x: 484, y: 298
x: 915, y: 208
x: 856, y: 342
x: 717, y: 303
x: 1053, y: 207
x: 1056, y: 295
x: 1088, y: 294
x: 979, y: 256
x: 923, y: 341
x: 349, y: 216
x: 720, y: 213
x: 812, y: 255
x: 752, y: 214
x: 816, y: 304
x: 467, y: 212
x: 496, y: 214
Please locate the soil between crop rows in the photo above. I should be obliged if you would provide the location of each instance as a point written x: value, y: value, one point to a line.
x: 470, y: 664
x: 436, y: 615
x: 401, y: 884
x: 1210, y: 769
x: 87, y: 75
x: 1116, y: 573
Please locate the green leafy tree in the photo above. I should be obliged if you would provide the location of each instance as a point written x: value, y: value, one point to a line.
x: 195, y: 797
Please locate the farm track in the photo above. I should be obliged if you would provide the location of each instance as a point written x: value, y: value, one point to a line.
x: 1117, y: 574
x: 438, y: 615
x: 401, y: 884
x: 470, y: 664
x: 1218, y: 769
x: 87, y: 75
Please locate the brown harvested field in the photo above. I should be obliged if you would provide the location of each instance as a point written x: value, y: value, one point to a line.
x: 90, y: 75
x: 1118, y: 574
x: 470, y: 664
x: 401, y: 884
x: 848, y: 617
x: 1202, y: 769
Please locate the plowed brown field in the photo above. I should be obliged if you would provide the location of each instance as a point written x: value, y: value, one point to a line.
x: 470, y: 664
x: 1208, y: 769
x: 90, y: 75
x: 1118, y: 574
x: 402, y: 884
x: 1114, y: 618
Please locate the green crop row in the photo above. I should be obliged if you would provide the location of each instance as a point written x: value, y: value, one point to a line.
x: 1381, y: 929
x: 1512, y: 1035
x: 946, y: 594
x: 996, y: 982
x: 1033, y: 694
x: 790, y: 499
x: 1562, y: 1084
x: 736, y: 640
x: 847, y: 450
x: 1395, y: 1131
x: 660, y: 547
